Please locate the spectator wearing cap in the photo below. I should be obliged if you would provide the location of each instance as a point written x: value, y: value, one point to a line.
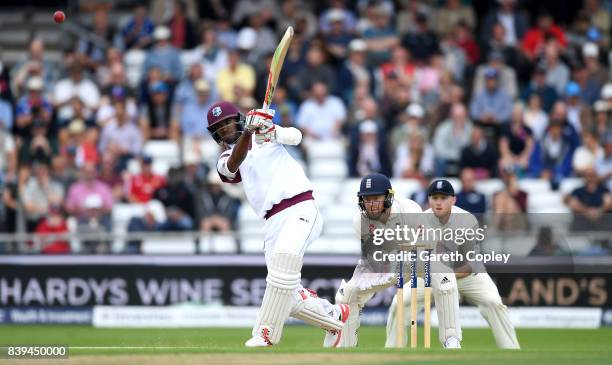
x: 410, y: 120
x: 589, y: 90
x: 143, y: 185
x: 94, y: 224
x: 78, y: 143
x: 88, y: 185
x: 34, y: 64
x: 121, y: 136
x: 586, y: 155
x: 138, y: 31
x: 368, y: 150
x: 507, y: 76
x: 557, y: 72
x: 179, y: 202
x: 75, y: 85
x: 32, y: 107
x: 453, y: 13
x: 545, y: 29
x: 414, y: 158
x: 469, y: 198
x: 590, y: 204
x: 355, y: 71
x: 493, y: 105
x: 155, y: 115
x: 596, y: 73
x: 538, y: 85
x: 516, y: 143
x: 606, y: 95
x: 602, y: 113
x: 603, y: 164
x: 338, y: 37
x: 54, y: 223
x: 380, y: 35
x: 187, y: 119
x: 164, y: 56
x: 480, y: 155
x: 185, y: 91
x: 450, y: 138
x: 237, y: 75
x: 216, y: 210
x: 513, y: 21
x: 38, y: 193
x: 422, y: 42
x: 321, y: 116
x: 578, y: 113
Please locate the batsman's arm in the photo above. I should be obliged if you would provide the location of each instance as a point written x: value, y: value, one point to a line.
x: 240, y: 151
x: 288, y: 135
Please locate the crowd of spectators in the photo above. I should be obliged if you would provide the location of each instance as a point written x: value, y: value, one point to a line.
x: 414, y: 89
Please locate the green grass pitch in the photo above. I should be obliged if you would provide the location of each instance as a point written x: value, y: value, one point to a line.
x: 302, y: 345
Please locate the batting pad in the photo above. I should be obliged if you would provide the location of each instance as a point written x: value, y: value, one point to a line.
x: 282, y: 280
x: 446, y: 296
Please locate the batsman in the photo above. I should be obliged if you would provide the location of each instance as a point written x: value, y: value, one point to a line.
x: 279, y: 192
x: 380, y: 209
x: 472, y: 280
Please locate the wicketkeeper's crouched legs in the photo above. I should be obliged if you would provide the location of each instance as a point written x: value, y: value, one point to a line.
x: 282, y: 281
x: 446, y: 297
x: 392, y: 315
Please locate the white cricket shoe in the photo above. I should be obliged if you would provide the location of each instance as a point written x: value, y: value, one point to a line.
x: 260, y: 340
x: 452, y: 343
x: 332, y: 338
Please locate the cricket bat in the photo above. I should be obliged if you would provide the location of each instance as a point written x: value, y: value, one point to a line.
x: 276, y: 66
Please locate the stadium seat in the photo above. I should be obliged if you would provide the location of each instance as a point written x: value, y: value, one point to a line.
x: 167, y: 151
x: 342, y: 213
x: 252, y: 245
x: 14, y: 37
x: 535, y: 186
x: 405, y: 187
x: 489, y: 187
x: 52, y: 37
x: 325, y: 191
x: 217, y: 243
x: 325, y: 150
x: 551, y: 202
x: 326, y: 245
x: 13, y: 17
x: 328, y: 168
x: 570, y: 184
x: 133, y: 60
x: 169, y: 245
x: 348, y: 191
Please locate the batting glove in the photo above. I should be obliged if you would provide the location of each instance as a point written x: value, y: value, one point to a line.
x: 268, y: 135
x: 259, y: 120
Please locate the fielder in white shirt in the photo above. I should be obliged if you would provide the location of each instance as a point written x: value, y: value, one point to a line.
x: 279, y: 192
x: 473, y: 283
x: 379, y: 210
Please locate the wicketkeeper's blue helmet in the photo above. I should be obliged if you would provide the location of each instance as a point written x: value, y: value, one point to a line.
x: 376, y: 184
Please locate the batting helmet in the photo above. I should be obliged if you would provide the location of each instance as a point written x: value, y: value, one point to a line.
x: 376, y: 184
x: 220, y: 111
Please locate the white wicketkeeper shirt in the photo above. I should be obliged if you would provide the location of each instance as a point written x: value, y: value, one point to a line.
x: 268, y: 174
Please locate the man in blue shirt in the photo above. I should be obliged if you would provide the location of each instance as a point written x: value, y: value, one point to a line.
x: 469, y: 199
x: 493, y: 106
x: 164, y: 56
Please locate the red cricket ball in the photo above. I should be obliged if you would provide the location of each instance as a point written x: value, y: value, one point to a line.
x: 59, y: 16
